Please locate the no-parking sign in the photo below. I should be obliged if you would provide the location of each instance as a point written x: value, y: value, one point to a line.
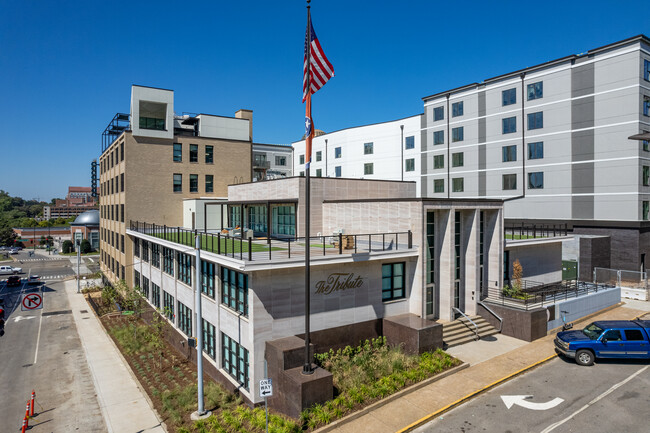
x: 31, y: 301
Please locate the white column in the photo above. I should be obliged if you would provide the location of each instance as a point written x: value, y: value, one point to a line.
x: 445, y: 236
x: 470, y: 262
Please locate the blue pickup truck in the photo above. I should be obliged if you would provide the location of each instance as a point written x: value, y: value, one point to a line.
x: 606, y: 339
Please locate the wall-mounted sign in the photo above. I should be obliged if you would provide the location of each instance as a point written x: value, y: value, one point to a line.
x: 338, y: 281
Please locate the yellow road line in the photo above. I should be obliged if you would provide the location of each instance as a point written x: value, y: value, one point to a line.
x: 468, y: 396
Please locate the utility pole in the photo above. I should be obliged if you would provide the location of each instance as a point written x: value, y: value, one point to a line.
x: 78, y: 245
x: 201, y: 413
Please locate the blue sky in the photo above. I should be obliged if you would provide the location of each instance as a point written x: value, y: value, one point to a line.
x: 66, y: 67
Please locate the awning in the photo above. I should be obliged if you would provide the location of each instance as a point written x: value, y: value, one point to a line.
x: 644, y: 136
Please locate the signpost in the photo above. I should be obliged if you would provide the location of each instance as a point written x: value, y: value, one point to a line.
x: 266, y: 390
x: 31, y: 301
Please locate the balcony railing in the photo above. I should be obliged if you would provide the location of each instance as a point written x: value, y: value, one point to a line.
x: 534, y: 231
x: 261, y: 164
x: 252, y: 249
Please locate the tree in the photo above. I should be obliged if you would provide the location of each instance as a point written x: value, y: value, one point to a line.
x: 517, y: 274
x: 42, y: 241
x: 66, y: 248
x: 85, y: 246
x: 7, y: 236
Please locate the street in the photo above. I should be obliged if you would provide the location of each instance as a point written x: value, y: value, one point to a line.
x: 611, y: 396
x: 41, y: 351
x: 51, y: 267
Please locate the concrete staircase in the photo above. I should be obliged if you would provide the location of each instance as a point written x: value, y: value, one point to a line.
x: 461, y: 331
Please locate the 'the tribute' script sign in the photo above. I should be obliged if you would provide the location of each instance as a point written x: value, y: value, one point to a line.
x: 338, y: 281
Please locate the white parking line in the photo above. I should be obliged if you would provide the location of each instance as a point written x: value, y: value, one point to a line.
x: 38, y: 338
x: 594, y: 401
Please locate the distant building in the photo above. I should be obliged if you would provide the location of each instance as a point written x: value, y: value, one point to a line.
x: 76, y: 202
x: 86, y: 226
x: 31, y: 236
x: 272, y: 161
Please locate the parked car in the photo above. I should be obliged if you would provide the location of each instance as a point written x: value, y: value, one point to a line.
x: 34, y: 279
x: 606, y: 339
x: 9, y: 270
x: 13, y: 251
x: 14, y: 280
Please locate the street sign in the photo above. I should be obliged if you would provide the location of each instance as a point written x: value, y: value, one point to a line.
x: 266, y: 388
x: 31, y: 301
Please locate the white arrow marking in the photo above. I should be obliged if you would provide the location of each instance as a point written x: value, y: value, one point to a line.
x: 19, y: 318
x: 520, y: 400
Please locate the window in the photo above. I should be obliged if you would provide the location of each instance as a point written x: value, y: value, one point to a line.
x: 645, y: 143
x: 438, y: 161
x: 283, y: 219
x: 612, y: 335
x: 646, y: 70
x: 457, y: 159
x: 122, y: 151
x: 209, y: 183
x: 457, y: 134
x: 155, y: 255
x: 184, y: 268
x: 151, y: 123
x: 209, y: 338
x: 458, y: 184
x: 302, y: 174
x: 168, y: 305
x: 337, y: 152
x: 438, y: 113
x: 122, y: 183
x: 194, y: 183
x: 536, y: 180
x: 155, y: 294
x: 535, y: 120
x: 194, y: 153
x: 367, y: 148
x: 257, y: 218
x: 431, y: 248
x: 234, y: 359
x: 145, y: 251
x: 319, y: 172
x: 439, y: 185
x: 646, y: 175
x: 136, y: 279
x: 145, y: 287
x: 178, y: 182
x: 319, y: 156
x: 509, y: 125
x: 634, y: 335
x: 207, y: 278
x: 122, y: 213
x: 509, y: 181
x: 439, y: 137
x: 302, y: 159
x: 168, y: 261
x: 337, y: 171
x: 234, y: 291
x: 410, y: 164
x: 535, y: 91
x: 281, y: 160
x: 409, y: 142
x: 136, y: 247
x: 185, y: 319
x: 509, y: 153
x: 368, y: 168
x: 392, y: 281
x: 209, y: 154
x: 536, y: 150
x: 178, y: 152
x: 646, y: 106
x: 509, y: 97
x: 646, y: 208
x: 457, y: 109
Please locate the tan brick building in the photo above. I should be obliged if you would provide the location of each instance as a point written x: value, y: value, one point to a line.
x: 153, y: 159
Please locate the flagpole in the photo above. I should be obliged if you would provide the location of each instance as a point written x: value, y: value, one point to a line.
x: 306, y: 369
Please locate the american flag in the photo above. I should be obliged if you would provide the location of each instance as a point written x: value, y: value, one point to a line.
x: 321, y: 68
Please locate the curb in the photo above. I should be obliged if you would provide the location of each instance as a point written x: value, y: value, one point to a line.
x: 399, y: 394
x: 450, y: 406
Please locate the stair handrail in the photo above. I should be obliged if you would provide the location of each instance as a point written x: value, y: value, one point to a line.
x: 478, y: 337
x: 493, y: 313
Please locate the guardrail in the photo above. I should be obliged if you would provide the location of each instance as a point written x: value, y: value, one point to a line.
x: 534, y: 231
x: 278, y: 248
x: 478, y: 337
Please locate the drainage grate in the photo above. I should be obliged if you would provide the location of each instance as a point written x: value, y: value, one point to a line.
x: 56, y: 313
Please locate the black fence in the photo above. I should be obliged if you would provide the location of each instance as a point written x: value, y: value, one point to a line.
x: 250, y: 248
x: 533, y: 231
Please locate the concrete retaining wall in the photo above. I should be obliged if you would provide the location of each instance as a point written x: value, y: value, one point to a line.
x: 584, y: 305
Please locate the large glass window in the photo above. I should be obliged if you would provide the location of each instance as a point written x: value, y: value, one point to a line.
x: 457, y: 134
x: 509, y: 181
x: 194, y: 183
x: 458, y: 184
x: 509, y: 125
x: 646, y: 106
x: 207, y: 278
x: 168, y: 306
x: 535, y: 120
x: 438, y: 161
x: 209, y: 338
x: 646, y: 175
x: 439, y: 185
x: 392, y: 281
x: 234, y: 290
x: 168, y: 261
x: 409, y: 164
x: 368, y: 168
x: 151, y: 123
x: 234, y: 359
x: 136, y: 279
x: 646, y: 70
x: 178, y: 152
x: 209, y: 183
x: 145, y: 287
x: 409, y: 142
x: 439, y: 137
x: 457, y: 159
x: 457, y: 109
x: 145, y: 251
x: 431, y: 247
x: 209, y: 154
x: 235, y: 216
x: 155, y: 255
x: 646, y: 208
x: 257, y: 218
x: 535, y: 90
x: 184, y: 268
x: 438, y: 113
x: 184, y: 319
x: 155, y: 294
x: 178, y: 182
x: 281, y: 160
x: 283, y: 220
x: 509, y: 153
x: 536, y: 150
x: 194, y: 153
x: 509, y: 96
x: 136, y: 247
x: 536, y: 180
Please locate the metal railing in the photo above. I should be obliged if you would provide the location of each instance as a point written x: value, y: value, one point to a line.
x: 478, y: 337
x: 249, y: 248
x: 534, y: 231
x: 489, y: 310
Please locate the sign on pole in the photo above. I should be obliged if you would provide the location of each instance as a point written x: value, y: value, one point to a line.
x: 266, y: 388
x: 31, y: 301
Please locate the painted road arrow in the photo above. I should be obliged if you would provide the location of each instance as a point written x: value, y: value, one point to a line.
x: 19, y: 318
x: 520, y: 400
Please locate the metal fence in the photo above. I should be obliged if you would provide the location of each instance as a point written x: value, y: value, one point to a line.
x: 532, y: 231
x: 278, y: 248
x: 621, y: 278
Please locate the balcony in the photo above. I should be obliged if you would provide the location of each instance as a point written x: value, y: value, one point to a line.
x: 261, y: 164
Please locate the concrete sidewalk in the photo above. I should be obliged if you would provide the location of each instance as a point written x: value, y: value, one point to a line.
x: 490, y: 363
x: 123, y: 403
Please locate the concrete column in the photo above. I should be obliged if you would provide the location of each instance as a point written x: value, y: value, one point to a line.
x: 470, y: 263
x: 493, y: 244
x: 445, y: 236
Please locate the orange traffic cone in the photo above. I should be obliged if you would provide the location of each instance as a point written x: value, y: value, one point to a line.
x: 24, y: 425
x: 31, y: 413
x: 27, y: 413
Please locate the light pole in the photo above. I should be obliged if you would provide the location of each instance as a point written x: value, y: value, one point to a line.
x: 78, y: 245
x: 201, y: 412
